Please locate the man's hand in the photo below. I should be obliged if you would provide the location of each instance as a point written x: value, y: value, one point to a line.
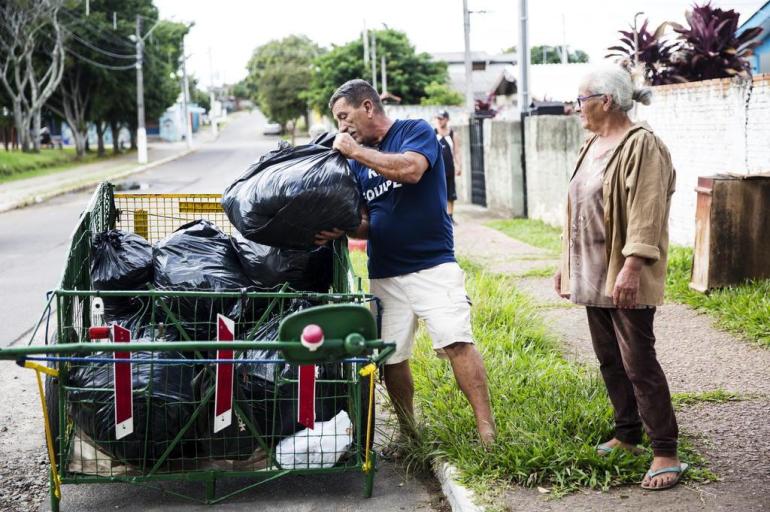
x: 345, y: 144
x: 624, y: 294
x: 324, y: 237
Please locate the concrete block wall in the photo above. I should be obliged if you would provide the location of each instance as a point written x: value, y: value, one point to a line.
x: 504, y: 178
x: 710, y: 127
x: 552, y: 144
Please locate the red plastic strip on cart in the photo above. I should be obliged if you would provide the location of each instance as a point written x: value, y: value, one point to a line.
x: 124, y: 392
x: 306, y: 396
x: 223, y: 398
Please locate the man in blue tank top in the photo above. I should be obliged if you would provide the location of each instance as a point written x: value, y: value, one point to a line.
x: 412, y: 265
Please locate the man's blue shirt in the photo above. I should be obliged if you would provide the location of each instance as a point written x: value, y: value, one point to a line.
x: 409, y: 228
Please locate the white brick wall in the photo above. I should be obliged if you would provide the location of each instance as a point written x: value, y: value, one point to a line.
x: 710, y: 127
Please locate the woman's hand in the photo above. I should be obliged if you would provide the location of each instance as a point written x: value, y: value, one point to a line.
x: 557, y: 285
x: 624, y: 294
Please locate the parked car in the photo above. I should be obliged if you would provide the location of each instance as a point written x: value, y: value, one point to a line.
x: 271, y: 129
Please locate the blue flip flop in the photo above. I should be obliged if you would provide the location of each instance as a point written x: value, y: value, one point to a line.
x: 679, y: 470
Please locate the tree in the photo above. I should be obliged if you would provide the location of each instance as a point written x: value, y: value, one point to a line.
x: 545, y: 54
x: 409, y: 72
x: 279, y: 75
x: 31, y: 61
x: 441, y: 94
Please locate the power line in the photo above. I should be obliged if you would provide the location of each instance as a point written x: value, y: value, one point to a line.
x: 99, y: 32
x: 100, y: 50
x: 99, y: 64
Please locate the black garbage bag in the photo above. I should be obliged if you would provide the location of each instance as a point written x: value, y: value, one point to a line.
x: 199, y: 257
x: 271, y: 267
x: 121, y: 261
x: 163, y: 404
x: 291, y: 194
x: 272, y: 399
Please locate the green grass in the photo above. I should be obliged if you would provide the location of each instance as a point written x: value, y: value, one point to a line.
x: 15, y: 165
x: 743, y: 309
x: 550, y: 413
x: 717, y: 396
x: 533, y: 232
x: 538, y: 272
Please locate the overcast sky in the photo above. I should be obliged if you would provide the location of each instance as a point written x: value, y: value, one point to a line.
x: 229, y: 30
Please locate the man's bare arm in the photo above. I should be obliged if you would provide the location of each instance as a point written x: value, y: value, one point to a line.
x: 405, y: 167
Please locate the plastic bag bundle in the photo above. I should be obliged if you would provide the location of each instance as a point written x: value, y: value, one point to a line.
x: 319, y: 447
x: 292, y: 194
x: 270, y: 267
x: 121, y: 261
x: 200, y: 257
x: 163, y: 403
x: 273, y: 401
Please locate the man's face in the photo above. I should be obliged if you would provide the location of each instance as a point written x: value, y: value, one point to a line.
x: 442, y: 122
x: 355, y: 121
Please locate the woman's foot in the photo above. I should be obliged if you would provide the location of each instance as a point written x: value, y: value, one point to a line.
x: 664, y: 473
x: 616, y: 444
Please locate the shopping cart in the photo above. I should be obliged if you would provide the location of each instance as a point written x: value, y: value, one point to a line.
x: 152, y: 402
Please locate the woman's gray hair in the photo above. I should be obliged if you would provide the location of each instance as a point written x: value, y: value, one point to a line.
x: 619, y: 82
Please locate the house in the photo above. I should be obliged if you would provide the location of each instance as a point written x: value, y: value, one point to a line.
x: 486, y: 70
x: 760, y: 61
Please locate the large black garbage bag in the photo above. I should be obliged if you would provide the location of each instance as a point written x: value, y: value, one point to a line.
x: 163, y: 404
x: 273, y: 400
x: 293, y: 193
x: 121, y: 261
x: 200, y: 257
x: 271, y: 267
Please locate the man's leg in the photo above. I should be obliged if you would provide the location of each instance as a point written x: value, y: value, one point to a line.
x: 400, y: 386
x: 471, y: 376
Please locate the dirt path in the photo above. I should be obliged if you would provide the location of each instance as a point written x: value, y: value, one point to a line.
x: 734, y: 436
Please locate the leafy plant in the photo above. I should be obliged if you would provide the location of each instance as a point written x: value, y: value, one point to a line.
x: 441, y: 94
x: 710, y: 47
x: 650, y: 49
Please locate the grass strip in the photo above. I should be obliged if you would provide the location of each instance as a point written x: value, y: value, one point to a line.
x: 742, y: 309
x: 534, y: 232
x: 15, y: 165
x: 716, y: 396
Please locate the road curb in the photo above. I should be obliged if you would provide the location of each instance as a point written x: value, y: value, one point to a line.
x: 460, y: 498
x: 88, y: 183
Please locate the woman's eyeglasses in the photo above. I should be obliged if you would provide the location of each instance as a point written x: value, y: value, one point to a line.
x: 581, y: 99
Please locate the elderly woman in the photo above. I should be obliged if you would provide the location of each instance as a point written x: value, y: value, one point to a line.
x: 613, y: 262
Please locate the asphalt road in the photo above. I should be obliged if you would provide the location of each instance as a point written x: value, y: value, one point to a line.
x: 33, y: 244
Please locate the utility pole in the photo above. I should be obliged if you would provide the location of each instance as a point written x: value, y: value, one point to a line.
x: 469, y: 103
x: 523, y: 57
x: 141, y: 132
x: 186, y: 100
x: 365, y: 37
x: 384, y: 72
x: 564, y: 51
x: 374, y: 60
x: 212, y: 97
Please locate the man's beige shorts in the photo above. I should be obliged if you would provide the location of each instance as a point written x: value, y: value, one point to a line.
x: 436, y: 296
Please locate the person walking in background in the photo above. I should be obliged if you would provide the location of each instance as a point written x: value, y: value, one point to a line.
x: 450, y: 151
x: 613, y: 261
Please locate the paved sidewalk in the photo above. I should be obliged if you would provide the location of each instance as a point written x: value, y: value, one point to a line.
x: 20, y: 193
x: 696, y: 357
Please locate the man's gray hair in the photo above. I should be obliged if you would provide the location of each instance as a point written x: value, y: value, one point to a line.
x: 356, y: 92
x: 618, y: 82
